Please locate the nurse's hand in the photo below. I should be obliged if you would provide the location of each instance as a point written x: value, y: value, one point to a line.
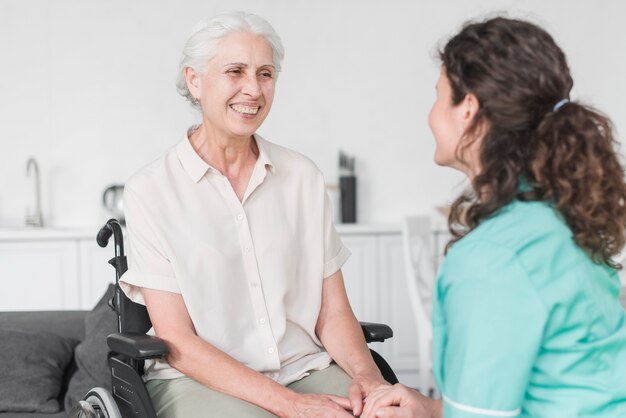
x: 398, y: 401
x: 319, y: 406
x: 362, y: 386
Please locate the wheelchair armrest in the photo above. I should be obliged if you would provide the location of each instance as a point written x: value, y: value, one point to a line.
x: 376, y: 332
x: 137, y: 346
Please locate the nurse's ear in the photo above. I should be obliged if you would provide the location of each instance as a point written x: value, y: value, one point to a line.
x: 469, y: 108
x: 474, y: 128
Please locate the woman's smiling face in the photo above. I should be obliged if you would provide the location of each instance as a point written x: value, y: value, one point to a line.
x: 236, y: 90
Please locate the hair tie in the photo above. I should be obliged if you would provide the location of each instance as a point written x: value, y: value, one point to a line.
x: 560, y: 104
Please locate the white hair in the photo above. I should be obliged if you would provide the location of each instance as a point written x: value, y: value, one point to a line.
x: 200, y: 47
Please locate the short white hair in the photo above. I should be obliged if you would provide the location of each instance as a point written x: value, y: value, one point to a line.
x: 200, y: 47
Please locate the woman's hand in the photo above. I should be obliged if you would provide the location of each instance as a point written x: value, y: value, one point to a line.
x: 362, y: 386
x: 398, y: 401
x: 306, y: 405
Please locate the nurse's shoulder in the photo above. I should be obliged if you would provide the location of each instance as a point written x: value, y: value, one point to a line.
x: 518, y: 233
x: 521, y: 224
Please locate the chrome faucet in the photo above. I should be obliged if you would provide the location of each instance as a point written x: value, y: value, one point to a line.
x: 36, y: 218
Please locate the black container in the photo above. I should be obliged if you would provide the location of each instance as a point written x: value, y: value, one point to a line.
x: 347, y: 188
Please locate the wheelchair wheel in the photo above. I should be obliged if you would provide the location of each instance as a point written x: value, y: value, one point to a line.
x: 98, y: 403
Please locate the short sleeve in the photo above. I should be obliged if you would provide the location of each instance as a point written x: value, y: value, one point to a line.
x: 335, y: 253
x: 492, y: 321
x: 148, y: 264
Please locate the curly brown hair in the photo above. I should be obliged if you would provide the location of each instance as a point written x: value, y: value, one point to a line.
x: 567, y: 156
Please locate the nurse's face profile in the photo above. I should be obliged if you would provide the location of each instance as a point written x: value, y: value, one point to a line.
x: 449, y: 123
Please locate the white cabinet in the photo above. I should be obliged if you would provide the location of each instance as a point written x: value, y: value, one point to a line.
x: 360, y: 275
x: 39, y: 276
x: 375, y: 282
x: 51, y: 270
x: 95, y: 271
x: 395, y: 309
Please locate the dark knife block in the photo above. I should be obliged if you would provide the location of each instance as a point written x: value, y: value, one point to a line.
x: 347, y: 189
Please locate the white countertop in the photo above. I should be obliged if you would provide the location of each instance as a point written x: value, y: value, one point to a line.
x: 86, y: 233
x: 358, y: 229
x: 46, y: 233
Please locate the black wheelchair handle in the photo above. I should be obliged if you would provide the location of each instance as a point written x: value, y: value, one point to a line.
x: 104, y: 234
x: 112, y: 227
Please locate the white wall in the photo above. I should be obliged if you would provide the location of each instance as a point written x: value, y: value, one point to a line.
x: 87, y: 87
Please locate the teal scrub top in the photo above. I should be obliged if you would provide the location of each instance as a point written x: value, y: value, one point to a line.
x: 525, y: 324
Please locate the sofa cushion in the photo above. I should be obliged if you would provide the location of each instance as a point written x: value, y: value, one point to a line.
x: 91, y: 354
x: 70, y: 324
x: 31, y: 369
x: 62, y: 414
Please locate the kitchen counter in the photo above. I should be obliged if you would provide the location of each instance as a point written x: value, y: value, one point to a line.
x: 46, y: 233
x: 357, y: 229
x: 73, y: 233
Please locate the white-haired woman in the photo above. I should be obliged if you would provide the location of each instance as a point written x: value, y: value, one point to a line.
x: 233, y: 251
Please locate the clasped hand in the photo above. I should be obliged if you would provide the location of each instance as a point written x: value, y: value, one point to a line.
x: 384, y: 401
x: 398, y: 401
x: 331, y: 406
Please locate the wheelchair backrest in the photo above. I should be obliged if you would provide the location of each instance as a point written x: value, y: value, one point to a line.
x: 131, y: 316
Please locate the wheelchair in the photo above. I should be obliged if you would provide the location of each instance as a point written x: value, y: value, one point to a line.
x: 130, y: 347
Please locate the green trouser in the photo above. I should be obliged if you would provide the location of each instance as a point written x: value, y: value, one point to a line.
x: 185, y: 398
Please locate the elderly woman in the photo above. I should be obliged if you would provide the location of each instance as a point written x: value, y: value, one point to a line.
x: 233, y: 251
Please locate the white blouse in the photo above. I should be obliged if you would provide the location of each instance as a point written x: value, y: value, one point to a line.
x: 250, y: 272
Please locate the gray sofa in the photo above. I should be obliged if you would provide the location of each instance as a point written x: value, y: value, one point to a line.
x: 49, y: 360
x: 69, y: 325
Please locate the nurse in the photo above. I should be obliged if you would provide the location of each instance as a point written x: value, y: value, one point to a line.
x: 526, y: 317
